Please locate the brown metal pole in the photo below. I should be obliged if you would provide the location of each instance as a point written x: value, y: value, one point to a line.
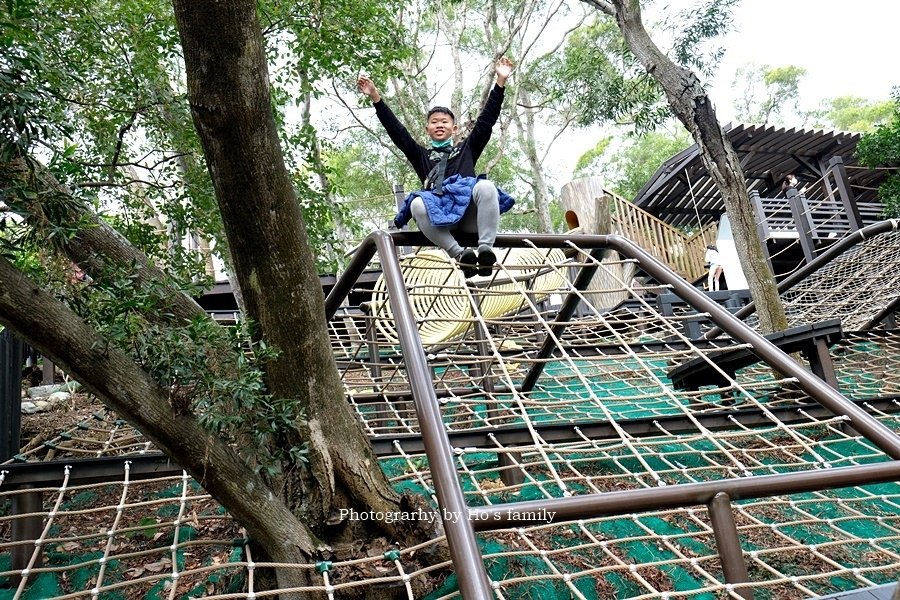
x: 515, y: 514
x: 348, y: 278
x: 474, y: 583
x: 511, y: 473
x: 565, y: 313
x: 26, y: 529
x: 727, y: 543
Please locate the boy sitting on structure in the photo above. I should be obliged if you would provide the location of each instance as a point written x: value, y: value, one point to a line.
x: 452, y: 197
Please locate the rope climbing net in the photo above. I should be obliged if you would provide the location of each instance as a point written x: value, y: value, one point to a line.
x: 539, y: 403
x: 857, y: 285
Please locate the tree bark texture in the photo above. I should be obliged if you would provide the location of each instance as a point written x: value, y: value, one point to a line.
x: 692, y: 106
x: 228, y: 91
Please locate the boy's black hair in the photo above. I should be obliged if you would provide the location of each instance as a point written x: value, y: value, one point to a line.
x: 441, y: 109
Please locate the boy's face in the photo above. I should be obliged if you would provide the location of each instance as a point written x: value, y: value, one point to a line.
x: 440, y: 127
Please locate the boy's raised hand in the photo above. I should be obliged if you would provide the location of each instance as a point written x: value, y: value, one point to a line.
x: 368, y: 88
x: 503, y: 69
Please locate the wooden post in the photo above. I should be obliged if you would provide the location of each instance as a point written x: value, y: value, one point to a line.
x: 848, y: 200
x: 26, y: 529
x: 49, y: 372
x: 803, y: 223
x: 762, y: 226
x: 820, y: 363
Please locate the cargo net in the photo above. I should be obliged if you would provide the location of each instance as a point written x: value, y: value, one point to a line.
x: 603, y: 415
x: 855, y: 286
x: 164, y: 538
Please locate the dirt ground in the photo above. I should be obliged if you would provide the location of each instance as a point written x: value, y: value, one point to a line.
x: 65, y: 416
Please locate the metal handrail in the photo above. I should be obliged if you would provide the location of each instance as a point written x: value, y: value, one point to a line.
x: 474, y: 582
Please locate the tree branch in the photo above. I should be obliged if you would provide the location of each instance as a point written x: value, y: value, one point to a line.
x: 603, y: 6
x: 120, y: 138
x: 97, y: 243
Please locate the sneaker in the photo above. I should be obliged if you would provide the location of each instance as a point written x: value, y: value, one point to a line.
x: 468, y: 263
x: 486, y: 260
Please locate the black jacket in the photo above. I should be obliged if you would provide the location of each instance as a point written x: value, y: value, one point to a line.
x: 463, y: 156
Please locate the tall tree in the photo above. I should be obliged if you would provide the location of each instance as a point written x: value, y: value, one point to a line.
x: 850, y: 113
x: 284, y: 478
x: 766, y: 94
x: 625, y: 167
x: 692, y: 106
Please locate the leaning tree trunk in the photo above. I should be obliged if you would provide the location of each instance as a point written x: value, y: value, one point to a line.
x: 694, y: 109
x: 96, y: 245
x: 228, y: 91
x: 110, y: 374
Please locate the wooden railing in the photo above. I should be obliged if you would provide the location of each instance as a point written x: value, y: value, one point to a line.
x: 683, y: 253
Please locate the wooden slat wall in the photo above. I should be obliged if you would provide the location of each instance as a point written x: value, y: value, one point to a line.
x: 683, y: 253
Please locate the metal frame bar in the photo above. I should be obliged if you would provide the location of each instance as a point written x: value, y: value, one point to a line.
x: 93, y: 470
x: 467, y: 560
x: 727, y: 542
x: 88, y: 470
x: 573, y: 299
x: 386, y: 444
x: 500, y: 516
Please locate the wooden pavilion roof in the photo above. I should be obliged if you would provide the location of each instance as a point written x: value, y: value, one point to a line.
x: 682, y: 193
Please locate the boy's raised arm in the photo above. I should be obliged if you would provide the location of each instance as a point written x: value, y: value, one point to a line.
x: 481, y: 133
x: 395, y: 129
x: 367, y: 87
x: 503, y: 69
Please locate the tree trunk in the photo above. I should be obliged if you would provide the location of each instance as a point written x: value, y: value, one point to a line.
x: 228, y: 92
x: 111, y: 375
x: 694, y: 109
x: 332, y: 250
x: 456, y: 97
x: 539, y: 185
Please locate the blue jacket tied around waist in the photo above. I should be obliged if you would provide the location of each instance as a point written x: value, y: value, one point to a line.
x: 448, y: 208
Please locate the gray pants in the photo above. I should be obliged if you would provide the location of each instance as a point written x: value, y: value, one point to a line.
x: 481, y: 217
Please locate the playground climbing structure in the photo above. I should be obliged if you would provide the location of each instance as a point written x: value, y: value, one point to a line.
x: 550, y: 435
